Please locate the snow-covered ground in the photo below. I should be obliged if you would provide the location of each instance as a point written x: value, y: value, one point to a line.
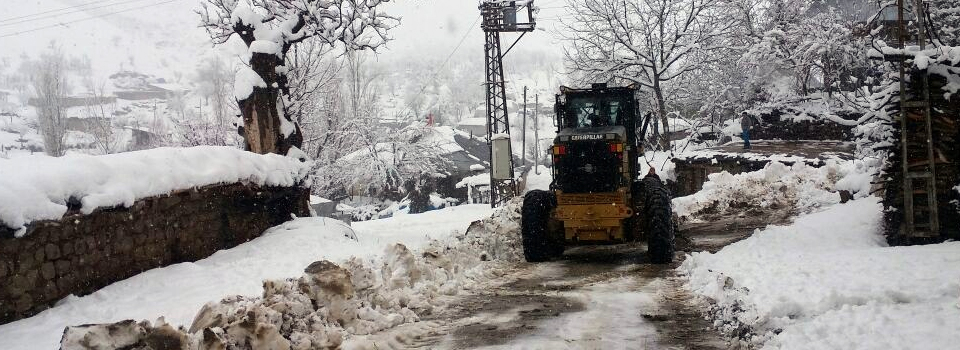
x: 828, y: 281
x: 177, y: 292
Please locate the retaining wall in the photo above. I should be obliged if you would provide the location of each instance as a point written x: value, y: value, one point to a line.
x: 79, y: 253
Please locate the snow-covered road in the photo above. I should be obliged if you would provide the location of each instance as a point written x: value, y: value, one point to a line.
x: 178, y: 291
x: 604, y: 297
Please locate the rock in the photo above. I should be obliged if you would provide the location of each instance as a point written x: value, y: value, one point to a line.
x: 67, y: 248
x: 16, y: 285
x: 329, y: 278
x: 210, y: 316
x: 53, y: 251
x: 267, y: 337
x: 213, y: 339
x: 24, y: 303
x: 48, y: 271
x: 123, y: 334
x: 845, y: 196
x: 63, y: 267
x: 727, y: 282
x: 165, y: 337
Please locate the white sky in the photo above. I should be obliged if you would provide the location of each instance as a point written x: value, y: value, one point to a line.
x: 160, y: 36
x: 434, y: 27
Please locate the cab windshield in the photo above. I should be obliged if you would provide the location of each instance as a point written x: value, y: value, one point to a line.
x: 591, y: 112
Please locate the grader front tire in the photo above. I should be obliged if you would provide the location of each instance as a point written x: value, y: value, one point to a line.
x: 538, y: 246
x: 657, y: 215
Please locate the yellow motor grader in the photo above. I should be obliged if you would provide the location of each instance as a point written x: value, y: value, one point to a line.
x: 597, y: 196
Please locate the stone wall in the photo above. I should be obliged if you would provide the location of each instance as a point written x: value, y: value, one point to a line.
x: 773, y: 128
x: 82, y: 253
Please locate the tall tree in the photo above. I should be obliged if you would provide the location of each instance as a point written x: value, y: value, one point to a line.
x: 647, y: 42
x: 50, y: 87
x: 270, y: 29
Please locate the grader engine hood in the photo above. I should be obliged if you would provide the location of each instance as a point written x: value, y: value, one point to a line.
x: 589, y: 160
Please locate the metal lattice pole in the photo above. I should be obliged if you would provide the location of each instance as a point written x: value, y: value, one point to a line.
x: 500, y: 17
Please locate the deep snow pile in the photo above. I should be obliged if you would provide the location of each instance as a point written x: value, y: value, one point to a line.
x: 337, y: 305
x: 178, y: 291
x: 777, y: 186
x: 40, y: 187
x: 828, y: 281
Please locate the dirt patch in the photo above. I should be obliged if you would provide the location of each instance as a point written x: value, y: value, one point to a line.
x: 499, y: 318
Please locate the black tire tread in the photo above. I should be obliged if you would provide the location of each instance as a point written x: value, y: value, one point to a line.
x: 658, y: 217
x: 534, y: 215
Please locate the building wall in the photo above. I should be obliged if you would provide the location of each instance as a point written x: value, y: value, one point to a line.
x: 82, y: 253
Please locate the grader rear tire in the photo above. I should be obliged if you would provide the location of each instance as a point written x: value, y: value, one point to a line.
x: 657, y: 216
x: 538, y: 246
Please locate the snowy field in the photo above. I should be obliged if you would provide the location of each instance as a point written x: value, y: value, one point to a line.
x: 177, y: 292
x: 828, y: 281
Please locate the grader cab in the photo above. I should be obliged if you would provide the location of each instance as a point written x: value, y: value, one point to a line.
x: 597, y: 196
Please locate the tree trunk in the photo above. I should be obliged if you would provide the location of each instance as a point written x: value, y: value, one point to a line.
x: 261, y: 114
x: 662, y: 113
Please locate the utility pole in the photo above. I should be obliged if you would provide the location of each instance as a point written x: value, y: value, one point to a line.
x: 523, y: 132
x: 536, y: 134
x: 500, y: 17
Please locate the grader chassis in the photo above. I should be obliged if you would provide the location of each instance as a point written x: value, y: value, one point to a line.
x: 596, y: 196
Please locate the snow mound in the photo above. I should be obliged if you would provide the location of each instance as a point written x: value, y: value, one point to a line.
x: 540, y: 181
x: 777, y: 186
x: 829, y: 281
x: 346, y: 305
x: 41, y: 188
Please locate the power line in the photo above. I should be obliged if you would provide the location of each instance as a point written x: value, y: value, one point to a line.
x: 63, y: 24
x: 56, y: 10
x: 67, y: 13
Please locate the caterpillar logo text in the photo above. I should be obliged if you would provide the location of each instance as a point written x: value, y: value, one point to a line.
x: 586, y: 137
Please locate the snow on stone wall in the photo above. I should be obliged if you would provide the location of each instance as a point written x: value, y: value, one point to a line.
x: 46, y: 188
x: 81, y: 253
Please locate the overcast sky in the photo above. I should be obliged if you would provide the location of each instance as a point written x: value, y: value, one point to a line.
x: 434, y: 27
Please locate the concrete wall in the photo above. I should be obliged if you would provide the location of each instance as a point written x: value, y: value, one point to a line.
x: 82, y: 253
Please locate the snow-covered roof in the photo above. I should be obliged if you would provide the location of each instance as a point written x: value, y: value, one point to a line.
x: 38, y: 187
x: 475, y: 180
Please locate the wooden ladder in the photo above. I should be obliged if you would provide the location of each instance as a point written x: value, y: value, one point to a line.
x: 921, y: 219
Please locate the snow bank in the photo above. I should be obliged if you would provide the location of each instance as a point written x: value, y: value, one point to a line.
x: 346, y: 305
x: 40, y: 187
x: 829, y: 282
x: 178, y: 291
x: 800, y: 186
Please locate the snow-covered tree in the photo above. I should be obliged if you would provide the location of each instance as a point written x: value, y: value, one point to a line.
x: 50, y: 87
x: 388, y: 160
x: 269, y: 29
x: 648, y: 42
